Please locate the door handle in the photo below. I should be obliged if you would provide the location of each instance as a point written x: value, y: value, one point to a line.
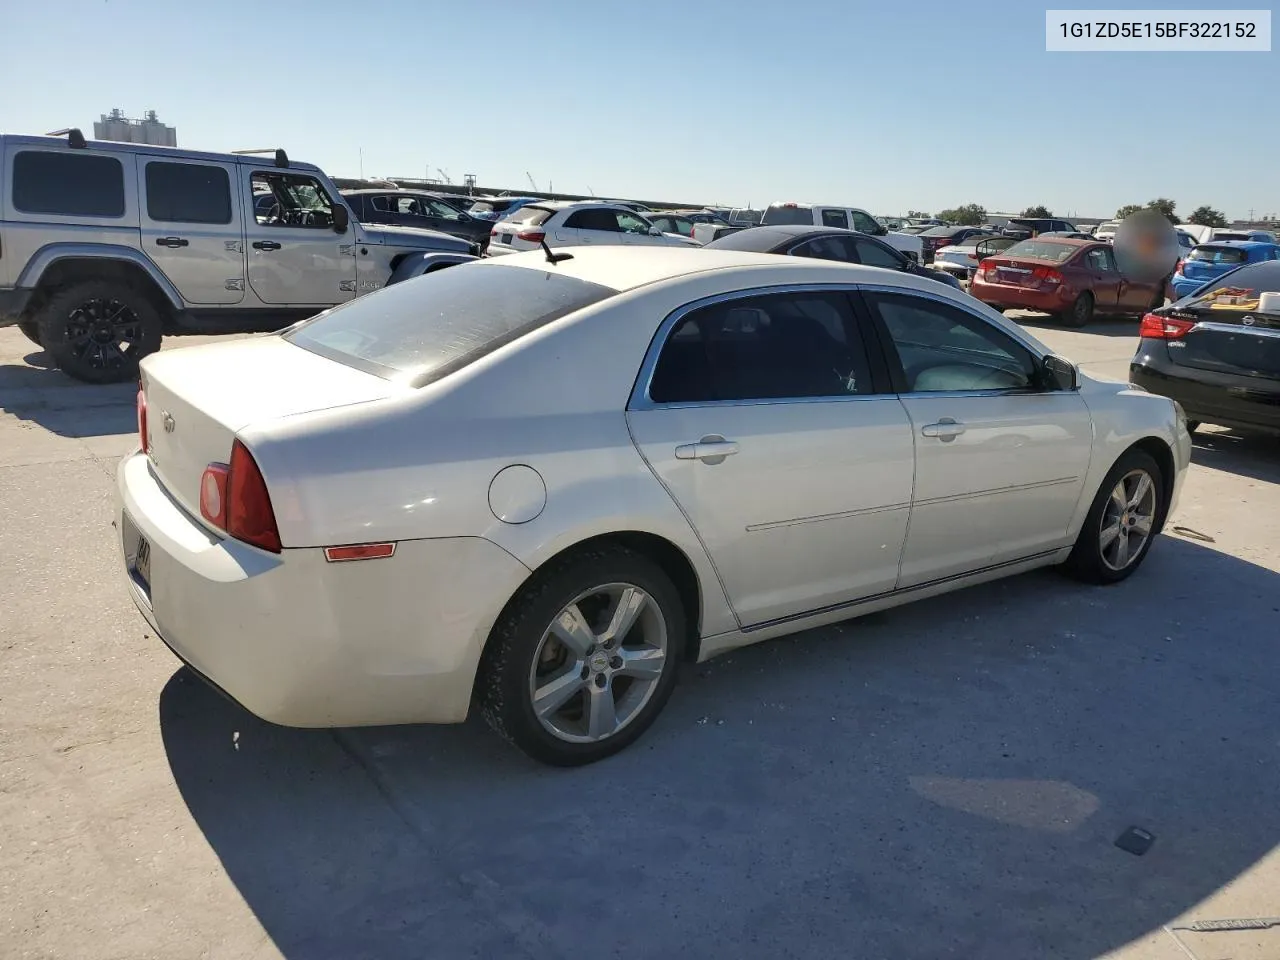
x: 265, y: 245
x: 945, y: 429
x: 171, y: 242
x: 711, y: 449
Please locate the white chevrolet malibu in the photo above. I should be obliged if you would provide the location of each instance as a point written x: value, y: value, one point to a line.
x: 538, y: 484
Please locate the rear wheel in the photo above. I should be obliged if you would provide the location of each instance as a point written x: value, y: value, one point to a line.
x: 31, y: 330
x: 584, y: 658
x: 98, y: 330
x: 1123, y: 519
x: 1080, y: 312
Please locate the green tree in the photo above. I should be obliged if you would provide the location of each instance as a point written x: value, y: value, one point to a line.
x: 1039, y: 212
x: 1164, y: 205
x: 1206, y: 216
x: 914, y: 214
x: 968, y: 215
x: 1127, y: 210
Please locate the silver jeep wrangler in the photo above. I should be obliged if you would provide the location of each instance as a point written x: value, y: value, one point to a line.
x: 105, y: 246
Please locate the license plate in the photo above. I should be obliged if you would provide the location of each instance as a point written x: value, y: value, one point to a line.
x: 506, y: 238
x: 142, y: 563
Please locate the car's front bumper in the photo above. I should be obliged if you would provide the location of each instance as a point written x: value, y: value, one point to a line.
x: 1229, y: 400
x: 303, y: 642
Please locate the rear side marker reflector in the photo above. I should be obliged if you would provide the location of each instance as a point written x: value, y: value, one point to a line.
x: 359, y: 551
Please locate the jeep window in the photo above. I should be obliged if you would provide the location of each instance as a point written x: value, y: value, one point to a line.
x: 421, y: 331
x: 68, y: 184
x: 188, y: 193
x: 296, y: 200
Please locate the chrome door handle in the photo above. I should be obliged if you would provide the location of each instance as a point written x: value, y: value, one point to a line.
x: 945, y: 429
x: 710, y: 449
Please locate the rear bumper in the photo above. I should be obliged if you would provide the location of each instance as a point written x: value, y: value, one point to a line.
x: 12, y: 303
x: 306, y: 643
x: 1225, y: 399
x: 1005, y: 296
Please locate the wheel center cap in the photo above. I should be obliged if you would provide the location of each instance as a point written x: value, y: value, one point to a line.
x: 599, y: 661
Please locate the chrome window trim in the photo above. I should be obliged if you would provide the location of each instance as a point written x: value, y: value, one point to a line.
x: 640, y: 399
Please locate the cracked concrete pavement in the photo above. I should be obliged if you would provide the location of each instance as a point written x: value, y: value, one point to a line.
x: 942, y: 780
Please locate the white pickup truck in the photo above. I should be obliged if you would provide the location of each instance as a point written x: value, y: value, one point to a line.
x: 848, y: 218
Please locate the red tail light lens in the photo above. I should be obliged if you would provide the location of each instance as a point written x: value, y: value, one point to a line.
x: 1155, y: 327
x: 1047, y: 276
x: 142, y: 420
x: 534, y: 236
x: 213, y: 494
x: 985, y: 269
x: 250, y: 516
x: 493, y: 232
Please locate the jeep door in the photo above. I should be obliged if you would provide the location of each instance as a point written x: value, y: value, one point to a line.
x: 295, y: 257
x: 192, y: 227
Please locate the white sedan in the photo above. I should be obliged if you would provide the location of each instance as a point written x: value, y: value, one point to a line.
x: 538, y: 486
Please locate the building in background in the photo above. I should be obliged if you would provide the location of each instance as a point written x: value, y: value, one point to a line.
x: 116, y: 126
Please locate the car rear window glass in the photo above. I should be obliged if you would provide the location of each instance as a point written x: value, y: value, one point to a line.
x: 188, y: 193
x: 1043, y: 250
x: 1238, y: 290
x: 531, y: 216
x: 1229, y: 235
x: 941, y: 232
x: 782, y: 214
x: 1219, y: 255
x: 68, y: 184
x: 423, y: 329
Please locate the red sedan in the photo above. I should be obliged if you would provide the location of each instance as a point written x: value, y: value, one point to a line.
x: 1072, y: 279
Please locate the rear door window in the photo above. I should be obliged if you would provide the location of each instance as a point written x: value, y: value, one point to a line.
x: 1219, y: 255
x: 420, y: 331
x: 188, y: 193
x: 835, y: 218
x: 593, y: 219
x: 68, y: 184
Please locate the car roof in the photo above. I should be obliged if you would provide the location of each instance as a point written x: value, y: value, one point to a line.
x: 1238, y: 244
x: 765, y: 239
x: 174, y: 154
x: 625, y: 268
x: 574, y: 204
x: 1065, y: 241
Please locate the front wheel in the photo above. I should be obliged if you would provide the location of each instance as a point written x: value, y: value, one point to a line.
x: 98, y: 330
x: 1123, y: 519
x: 583, y: 660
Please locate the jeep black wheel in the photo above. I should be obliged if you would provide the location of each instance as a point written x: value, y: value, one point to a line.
x: 31, y: 330
x: 98, y: 330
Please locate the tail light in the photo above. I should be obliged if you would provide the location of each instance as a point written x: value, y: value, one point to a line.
x: 1156, y: 327
x: 493, y: 232
x: 142, y: 420
x: 533, y: 236
x: 1047, y: 276
x: 234, y: 498
x: 985, y: 269
x: 1177, y: 271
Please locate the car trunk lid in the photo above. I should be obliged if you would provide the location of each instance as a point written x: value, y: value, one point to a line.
x: 1230, y: 336
x: 1026, y: 272
x: 197, y: 399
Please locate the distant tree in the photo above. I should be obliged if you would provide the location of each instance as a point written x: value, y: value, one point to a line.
x: 913, y: 214
x: 1039, y: 212
x: 1164, y: 205
x: 1206, y: 216
x: 969, y: 215
x: 1127, y: 211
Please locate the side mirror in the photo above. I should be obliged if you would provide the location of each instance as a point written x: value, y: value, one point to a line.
x: 341, y: 218
x: 1060, y: 374
x: 655, y: 232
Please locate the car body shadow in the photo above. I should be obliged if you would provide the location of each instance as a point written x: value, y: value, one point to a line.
x: 39, y: 392
x: 1098, y: 326
x: 947, y: 778
x: 1255, y: 455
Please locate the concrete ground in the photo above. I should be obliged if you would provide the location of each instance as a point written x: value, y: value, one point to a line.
x: 943, y: 780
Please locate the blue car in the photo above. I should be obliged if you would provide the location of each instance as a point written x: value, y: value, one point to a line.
x: 495, y: 208
x: 1208, y: 261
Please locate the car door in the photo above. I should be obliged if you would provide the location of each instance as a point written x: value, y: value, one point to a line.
x: 295, y: 257
x: 763, y: 417
x: 1000, y: 457
x: 1102, y: 277
x: 192, y: 228
x: 1135, y: 295
x: 593, y: 225
x: 832, y: 217
x: 873, y: 253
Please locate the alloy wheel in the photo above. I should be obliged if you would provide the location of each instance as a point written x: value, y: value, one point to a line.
x: 1127, y: 520
x: 598, y: 663
x: 103, y: 333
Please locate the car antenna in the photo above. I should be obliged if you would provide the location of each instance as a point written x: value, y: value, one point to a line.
x: 553, y: 257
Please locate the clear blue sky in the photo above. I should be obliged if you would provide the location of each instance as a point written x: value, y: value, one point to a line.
x: 886, y: 105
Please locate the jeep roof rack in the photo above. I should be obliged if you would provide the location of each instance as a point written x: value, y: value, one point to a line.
x: 75, y: 139
x: 281, y: 158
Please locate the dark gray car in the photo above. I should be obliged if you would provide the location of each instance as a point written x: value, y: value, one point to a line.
x: 411, y: 208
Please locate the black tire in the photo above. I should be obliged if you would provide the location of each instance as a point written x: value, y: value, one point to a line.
x: 1079, y: 313
x: 98, y: 330
x: 503, y: 688
x: 31, y: 330
x: 1087, y: 561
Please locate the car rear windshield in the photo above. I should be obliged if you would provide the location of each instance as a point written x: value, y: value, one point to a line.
x: 783, y: 214
x: 424, y: 329
x: 1219, y: 254
x: 1228, y: 235
x: 531, y: 216
x: 1238, y: 290
x: 942, y: 231
x: 1042, y: 250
